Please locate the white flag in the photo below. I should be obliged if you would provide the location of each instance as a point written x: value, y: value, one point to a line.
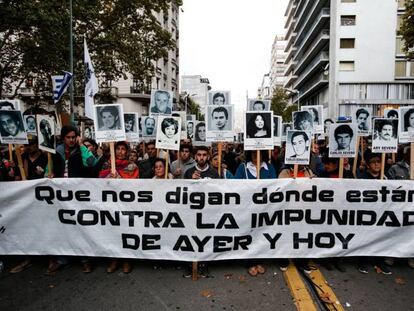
x: 91, y: 83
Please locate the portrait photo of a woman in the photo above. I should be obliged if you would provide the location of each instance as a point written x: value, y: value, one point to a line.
x: 258, y: 125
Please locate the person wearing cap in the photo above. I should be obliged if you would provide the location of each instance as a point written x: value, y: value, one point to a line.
x: 184, y: 161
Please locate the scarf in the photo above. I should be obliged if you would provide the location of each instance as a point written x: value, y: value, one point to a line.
x: 124, y: 168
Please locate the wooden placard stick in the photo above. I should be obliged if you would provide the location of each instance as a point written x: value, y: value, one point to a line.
x: 362, y: 148
x: 167, y: 155
x: 412, y: 161
x: 270, y: 156
x: 49, y: 164
x: 393, y: 157
x: 258, y: 164
x: 382, y: 165
x: 20, y: 162
x: 10, y: 152
x: 220, y: 150
x: 295, y: 170
x: 113, y: 160
x: 354, y: 168
x: 194, y: 271
x: 82, y: 130
x: 341, y: 168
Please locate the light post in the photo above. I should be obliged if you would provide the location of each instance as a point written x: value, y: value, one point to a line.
x: 186, y: 95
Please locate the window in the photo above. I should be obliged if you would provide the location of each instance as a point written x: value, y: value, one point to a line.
x: 399, y: 46
x: 400, y: 68
x: 412, y: 69
x: 401, y: 3
x: 347, y: 66
x: 348, y: 20
x: 347, y: 43
x: 399, y: 21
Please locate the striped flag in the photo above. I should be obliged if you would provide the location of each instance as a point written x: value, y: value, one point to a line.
x: 91, y: 83
x: 60, y: 84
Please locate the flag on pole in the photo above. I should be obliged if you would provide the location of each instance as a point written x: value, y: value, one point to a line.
x: 60, y: 84
x: 91, y: 83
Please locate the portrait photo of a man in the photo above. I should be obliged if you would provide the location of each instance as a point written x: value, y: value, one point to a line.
x: 219, y: 98
x: 30, y: 122
x: 342, y: 140
x: 6, y: 104
x: 362, y: 117
x: 109, y: 123
x: 161, y: 102
x: 12, y: 130
x: 258, y: 105
x: 219, y: 118
x: 385, y: 135
x: 297, y: 147
x: 46, y: 130
x: 149, y: 126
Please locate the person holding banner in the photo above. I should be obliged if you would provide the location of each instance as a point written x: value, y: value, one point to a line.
x: 202, y: 169
x: 159, y: 169
x: 125, y: 170
x: 145, y: 166
x: 184, y: 162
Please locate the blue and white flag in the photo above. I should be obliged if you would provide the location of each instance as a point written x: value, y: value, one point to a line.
x: 60, y: 84
x: 91, y: 83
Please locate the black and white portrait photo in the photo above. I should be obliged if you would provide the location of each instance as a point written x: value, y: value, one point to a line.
x: 161, y: 103
x: 131, y: 126
x: 219, y: 98
x: 30, y: 124
x: 258, y: 105
x: 149, y: 126
x: 88, y: 132
x: 109, y: 123
x: 199, y: 133
x: 219, y: 123
x: 390, y: 113
x: 277, y: 130
x: 362, y: 117
x: 327, y: 125
x: 9, y: 104
x: 298, y: 147
x: 12, y: 130
x: 46, y: 129
x: 258, y: 130
x: 183, y: 116
x: 384, y: 137
x: 406, y: 125
x: 190, y: 129
x: 342, y: 140
x: 302, y: 120
x: 286, y: 127
x: 317, y: 118
x: 190, y: 117
x: 168, y: 133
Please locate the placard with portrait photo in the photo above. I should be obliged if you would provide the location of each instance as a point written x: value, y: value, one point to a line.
x: 343, y: 140
x: 286, y: 127
x: 88, y: 132
x: 30, y: 124
x: 131, y: 126
x: 9, y: 104
x: 298, y: 147
x: 219, y: 98
x: 161, y: 103
x: 277, y: 130
x: 200, y: 131
x: 12, y: 129
x: 317, y: 118
x: 168, y: 133
x: 149, y: 127
x: 362, y: 116
x: 46, y: 128
x: 384, y: 137
x: 390, y: 113
x: 258, y: 105
x: 109, y: 123
x: 183, y: 117
x: 219, y: 120
x: 302, y: 121
x: 406, y: 124
x: 258, y: 130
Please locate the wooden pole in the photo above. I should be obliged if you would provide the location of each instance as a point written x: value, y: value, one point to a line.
x: 167, y: 155
x: 220, y: 150
x: 113, y: 160
x: 382, y: 165
x: 362, y: 148
x: 258, y: 164
x: 49, y: 164
x: 393, y: 157
x: 412, y: 161
x: 295, y: 170
x: 82, y: 130
x: 341, y: 168
x: 20, y: 162
x: 354, y: 168
x: 10, y: 152
x: 270, y: 156
x: 194, y: 271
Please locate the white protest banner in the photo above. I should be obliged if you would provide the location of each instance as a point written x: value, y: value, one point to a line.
x: 207, y: 219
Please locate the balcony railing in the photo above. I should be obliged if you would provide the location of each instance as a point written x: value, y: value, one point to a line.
x: 304, y: 12
x: 316, y: 83
x: 315, y: 65
x: 312, y: 50
x: 140, y: 89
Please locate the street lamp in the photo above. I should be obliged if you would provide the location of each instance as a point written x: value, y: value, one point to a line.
x: 294, y: 92
x: 186, y: 95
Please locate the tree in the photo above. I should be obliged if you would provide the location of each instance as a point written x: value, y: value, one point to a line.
x: 192, y: 107
x: 280, y: 104
x: 123, y: 37
x: 407, y: 28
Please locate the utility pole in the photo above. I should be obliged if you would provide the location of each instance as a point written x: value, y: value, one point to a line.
x: 71, y: 88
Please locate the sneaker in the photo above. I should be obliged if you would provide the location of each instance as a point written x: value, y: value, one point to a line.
x: 283, y: 268
x: 382, y: 269
x: 389, y: 261
x: 203, y: 271
x: 411, y: 263
x: 306, y: 269
x: 363, y: 269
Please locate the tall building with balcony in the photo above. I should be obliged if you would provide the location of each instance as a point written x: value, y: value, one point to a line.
x: 277, y: 63
x: 344, y: 53
x: 264, y: 91
x: 196, y: 87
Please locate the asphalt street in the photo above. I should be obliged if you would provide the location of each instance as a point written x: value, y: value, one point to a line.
x: 161, y: 286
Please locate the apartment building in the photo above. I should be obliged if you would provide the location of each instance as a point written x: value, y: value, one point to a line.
x: 264, y: 91
x: 343, y: 53
x: 196, y: 87
x: 277, y: 63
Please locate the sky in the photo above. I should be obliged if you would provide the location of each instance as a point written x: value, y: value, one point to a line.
x: 229, y: 42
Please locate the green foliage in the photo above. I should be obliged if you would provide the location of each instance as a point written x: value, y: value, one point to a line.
x: 407, y: 28
x: 123, y: 36
x: 280, y: 104
x: 192, y: 107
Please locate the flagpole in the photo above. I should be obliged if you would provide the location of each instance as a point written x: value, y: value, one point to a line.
x: 71, y: 89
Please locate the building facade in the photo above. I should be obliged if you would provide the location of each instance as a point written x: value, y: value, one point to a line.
x: 196, y: 87
x: 344, y: 53
x: 277, y: 63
